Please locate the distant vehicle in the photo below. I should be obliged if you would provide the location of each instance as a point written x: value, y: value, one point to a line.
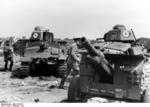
x: 114, y: 68
x: 1, y: 48
x: 145, y: 42
x: 42, y: 54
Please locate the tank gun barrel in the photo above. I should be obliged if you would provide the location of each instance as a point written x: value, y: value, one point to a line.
x: 97, y: 57
x: 87, y: 45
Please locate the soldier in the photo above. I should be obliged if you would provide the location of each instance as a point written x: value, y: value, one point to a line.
x: 72, y: 61
x: 8, y: 55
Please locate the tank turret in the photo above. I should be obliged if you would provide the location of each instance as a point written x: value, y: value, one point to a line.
x: 41, y: 33
x: 120, y: 33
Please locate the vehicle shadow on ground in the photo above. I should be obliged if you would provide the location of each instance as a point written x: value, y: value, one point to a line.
x: 67, y: 101
x: 2, y: 70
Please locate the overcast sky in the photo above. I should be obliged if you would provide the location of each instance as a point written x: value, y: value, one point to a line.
x: 71, y: 18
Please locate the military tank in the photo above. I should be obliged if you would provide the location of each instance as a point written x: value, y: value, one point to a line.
x: 43, y: 56
x: 113, y: 67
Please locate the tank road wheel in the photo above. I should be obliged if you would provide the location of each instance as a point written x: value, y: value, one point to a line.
x: 32, y: 69
x: 147, y: 95
x: 74, y: 90
x: 61, y: 70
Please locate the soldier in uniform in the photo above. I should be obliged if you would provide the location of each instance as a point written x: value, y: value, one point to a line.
x: 8, y: 55
x: 72, y: 61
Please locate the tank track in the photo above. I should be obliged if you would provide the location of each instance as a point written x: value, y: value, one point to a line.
x: 146, y: 73
x: 20, y: 72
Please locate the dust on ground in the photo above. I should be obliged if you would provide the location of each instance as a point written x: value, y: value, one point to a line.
x: 30, y: 89
x: 35, y: 89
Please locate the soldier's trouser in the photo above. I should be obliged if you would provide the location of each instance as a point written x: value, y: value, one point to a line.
x: 11, y: 64
x: 75, y: 69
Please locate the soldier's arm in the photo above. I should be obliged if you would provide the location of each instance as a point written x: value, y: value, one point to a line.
x: 73, y: 55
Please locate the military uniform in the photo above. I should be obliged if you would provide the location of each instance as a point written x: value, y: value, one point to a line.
x: 8, y: 56
x: 72, y: 63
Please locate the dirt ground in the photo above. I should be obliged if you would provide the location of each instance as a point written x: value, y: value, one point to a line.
x: 30, y: 89
x: 35, y: 89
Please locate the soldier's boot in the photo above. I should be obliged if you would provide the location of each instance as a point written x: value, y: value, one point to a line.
x: 64, y: 78
x: 11, y: 65
x: 62, y: 82
x: 6, y: 64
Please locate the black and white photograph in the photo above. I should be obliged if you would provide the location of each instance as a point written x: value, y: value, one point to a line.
x: 74, y: 51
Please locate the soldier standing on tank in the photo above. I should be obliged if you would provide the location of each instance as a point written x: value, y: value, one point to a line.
x: 8, y: 55
x: 73, y: 61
